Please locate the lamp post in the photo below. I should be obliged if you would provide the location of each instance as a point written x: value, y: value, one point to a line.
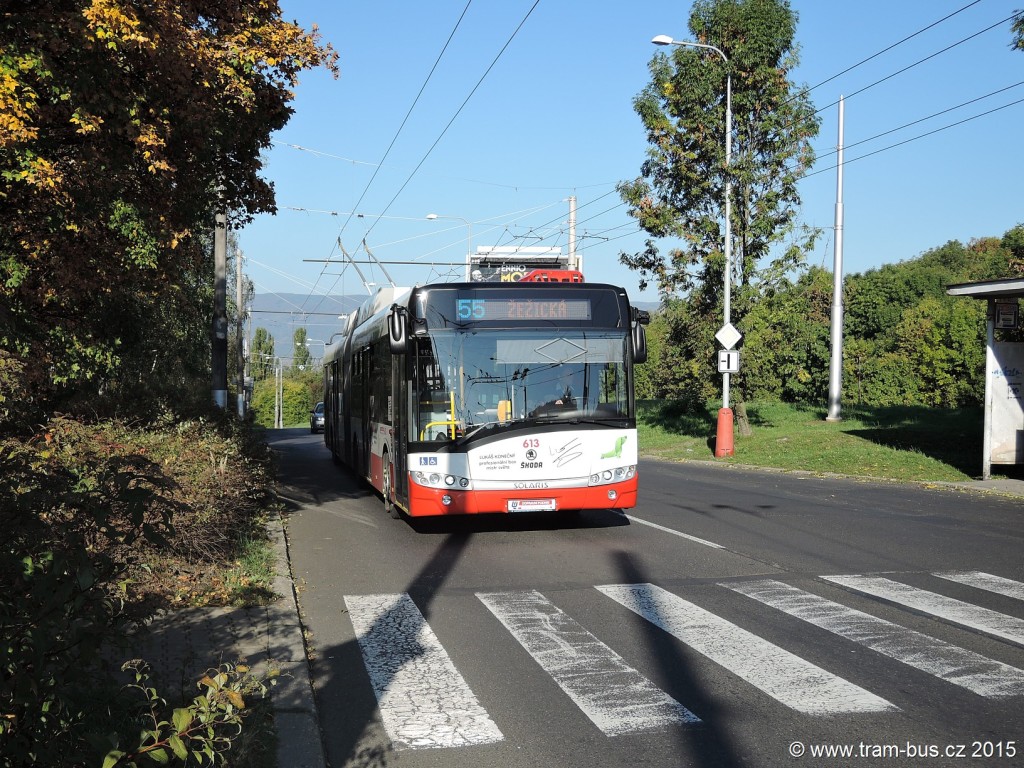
x: 724, y: 441
x: 469, y: 237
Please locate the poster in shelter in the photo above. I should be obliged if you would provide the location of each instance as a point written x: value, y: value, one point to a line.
x: 1007, y: 386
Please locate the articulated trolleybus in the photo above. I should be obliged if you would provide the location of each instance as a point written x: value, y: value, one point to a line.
x: 468, y: 398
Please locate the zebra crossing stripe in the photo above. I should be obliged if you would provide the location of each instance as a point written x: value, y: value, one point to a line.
x: 423, y: 700
x: 956, y: 611
x: 951, y: 663
x: 615, y: 697
x: 985, y: 581
x: 787, y: 678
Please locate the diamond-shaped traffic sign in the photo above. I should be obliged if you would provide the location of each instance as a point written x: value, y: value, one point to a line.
x: 728, y: 336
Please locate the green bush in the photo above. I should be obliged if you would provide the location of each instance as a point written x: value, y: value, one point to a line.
x: 194, y: 734
x: 84, y: 508
x: 300, y: 392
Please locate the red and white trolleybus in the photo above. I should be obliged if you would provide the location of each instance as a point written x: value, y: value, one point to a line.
x: 467, y: 398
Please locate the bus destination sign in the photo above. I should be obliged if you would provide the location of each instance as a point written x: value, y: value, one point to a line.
x: 508, y: 308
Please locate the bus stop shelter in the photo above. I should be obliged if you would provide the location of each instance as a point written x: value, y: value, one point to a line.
x: 1004, y: 372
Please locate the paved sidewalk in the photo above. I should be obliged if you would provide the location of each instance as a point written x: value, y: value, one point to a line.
x: 1001, y: 485
x: 181, y: 645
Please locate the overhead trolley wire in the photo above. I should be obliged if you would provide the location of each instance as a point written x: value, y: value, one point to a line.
x: 886, y: 50
x: 458, y: 111
x: 915, y: 138
x: 399, y: 131
x: 450, y: 122
x: 929, y: 117
x: 920, y: 61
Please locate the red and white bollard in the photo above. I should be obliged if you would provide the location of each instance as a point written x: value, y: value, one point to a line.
x: 723, y: 436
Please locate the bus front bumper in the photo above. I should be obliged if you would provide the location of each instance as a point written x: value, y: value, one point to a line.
x: 427, y: 502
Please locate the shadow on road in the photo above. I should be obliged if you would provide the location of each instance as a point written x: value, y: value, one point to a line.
x: 530, y: 521
x: 303, y: 462
x: 703, y: 745
x: 357, y: 738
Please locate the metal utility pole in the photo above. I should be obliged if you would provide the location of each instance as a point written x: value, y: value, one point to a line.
x: 835, y: 375
x: 219, y: 363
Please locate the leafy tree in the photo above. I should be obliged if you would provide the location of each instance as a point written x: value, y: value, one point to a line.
x: 1013, y: 242
x: 786, y: 348
x: 679, y: 367
x: 261, y: 355
x: 123, y: 125
x: 300, y: 356
x: 646, y: 375
x: 877, y: 299
x: 297, y: 404
x: 681, y: 189
x: 943, y: 341
x: 1018, y: 32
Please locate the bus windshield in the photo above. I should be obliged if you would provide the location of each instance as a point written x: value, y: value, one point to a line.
x: 464, y: 380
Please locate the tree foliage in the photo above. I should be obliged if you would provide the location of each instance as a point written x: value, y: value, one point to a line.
x: 680, y: 192
x: 906, y: 342
x: 786, y: 341
x: 261, y: 356
x: 300, y: 355
x: 123, y: 125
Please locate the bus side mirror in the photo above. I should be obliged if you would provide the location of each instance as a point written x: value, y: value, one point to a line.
x: 639, y: 344
x: 398, y: 329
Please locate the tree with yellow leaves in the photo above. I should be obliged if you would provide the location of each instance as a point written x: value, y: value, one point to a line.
x: 124, y: 124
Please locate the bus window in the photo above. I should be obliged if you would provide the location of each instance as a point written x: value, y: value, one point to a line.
x: 432, y: 397
x: 468, y: 380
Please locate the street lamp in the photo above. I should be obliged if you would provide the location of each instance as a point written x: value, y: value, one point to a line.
x: 469, y: 238
x: 724, y: 442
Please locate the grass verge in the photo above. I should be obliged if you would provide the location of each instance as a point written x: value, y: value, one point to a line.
x: 910, y: 443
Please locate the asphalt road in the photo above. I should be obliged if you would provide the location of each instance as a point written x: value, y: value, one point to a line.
x: 733, y: 618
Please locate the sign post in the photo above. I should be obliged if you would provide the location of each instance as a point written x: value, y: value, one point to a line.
x: 728, y: 363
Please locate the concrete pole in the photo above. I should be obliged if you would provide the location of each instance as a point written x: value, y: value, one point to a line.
x: 835, y: 376
x: 239, y: 341
x: 278, y: 396
x: 219, y: 363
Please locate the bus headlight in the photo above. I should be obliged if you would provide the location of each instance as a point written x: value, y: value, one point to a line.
x: 437, y: 480
x: 616, y: 475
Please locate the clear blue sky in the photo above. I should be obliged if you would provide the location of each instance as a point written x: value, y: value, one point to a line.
x: 553, y: 117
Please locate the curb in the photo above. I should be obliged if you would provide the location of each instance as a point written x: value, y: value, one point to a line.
x: 296, y: 719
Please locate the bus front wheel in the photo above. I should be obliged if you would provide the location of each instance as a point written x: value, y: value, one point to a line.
x: 389, y: 505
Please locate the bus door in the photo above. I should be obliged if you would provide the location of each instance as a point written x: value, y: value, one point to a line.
x: 399, y: 393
